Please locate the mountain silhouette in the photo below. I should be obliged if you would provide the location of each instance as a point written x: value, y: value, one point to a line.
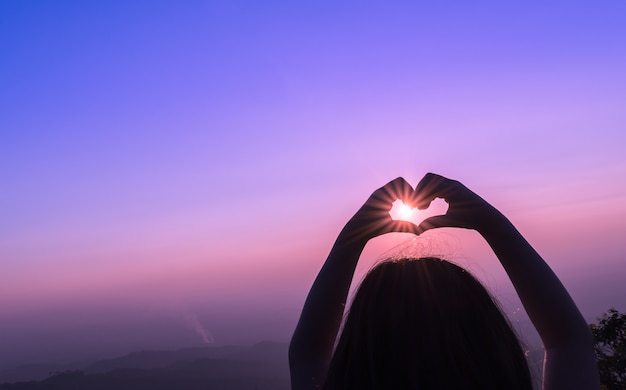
x: 261, y: 366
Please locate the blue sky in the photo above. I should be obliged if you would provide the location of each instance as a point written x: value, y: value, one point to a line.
x: 210, y: 151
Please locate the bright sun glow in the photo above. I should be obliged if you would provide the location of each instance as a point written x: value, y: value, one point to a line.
x: 401, y: 211
x: 405, y: 212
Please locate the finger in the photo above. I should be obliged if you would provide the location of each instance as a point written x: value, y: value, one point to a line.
x: 398, y: 188
x: 368, y: 232
x: 424, y: 191
x: 402, y: 190
x: 430, y: 187
x: 437, y: 221
x: 400, y: 227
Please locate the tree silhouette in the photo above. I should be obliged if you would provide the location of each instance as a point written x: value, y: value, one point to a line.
x: 610, y: 344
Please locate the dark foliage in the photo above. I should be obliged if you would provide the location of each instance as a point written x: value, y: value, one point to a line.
x: 610, y: 338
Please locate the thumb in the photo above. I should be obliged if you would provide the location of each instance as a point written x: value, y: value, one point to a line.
x: 437, y: 221
x: 403, y: 227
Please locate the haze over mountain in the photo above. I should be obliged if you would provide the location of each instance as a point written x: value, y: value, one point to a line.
x: 261, y: 366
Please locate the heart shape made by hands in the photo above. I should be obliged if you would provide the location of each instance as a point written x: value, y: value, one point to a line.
x: 401, y: 212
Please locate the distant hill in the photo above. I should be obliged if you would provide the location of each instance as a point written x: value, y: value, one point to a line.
x: 30, y: 372
x: 261, y: 366
x: 160, y: 359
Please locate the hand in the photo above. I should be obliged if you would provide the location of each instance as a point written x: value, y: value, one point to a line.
x: 373, y: 217
x: 465, y: 208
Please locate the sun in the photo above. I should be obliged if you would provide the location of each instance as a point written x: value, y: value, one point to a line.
x: 400, y: 211
x: 405, y: 212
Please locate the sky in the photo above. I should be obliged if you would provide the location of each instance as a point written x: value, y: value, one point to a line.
x: 176, y: 172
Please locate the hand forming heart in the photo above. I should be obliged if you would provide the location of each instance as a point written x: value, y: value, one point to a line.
x: 374, y: 217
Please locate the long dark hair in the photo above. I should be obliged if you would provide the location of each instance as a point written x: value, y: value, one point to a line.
x: 426, y: 324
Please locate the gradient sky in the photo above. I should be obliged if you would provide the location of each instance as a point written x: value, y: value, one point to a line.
x: 195, y: 160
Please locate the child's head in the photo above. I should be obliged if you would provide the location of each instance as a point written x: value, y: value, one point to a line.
x: 426, y: 323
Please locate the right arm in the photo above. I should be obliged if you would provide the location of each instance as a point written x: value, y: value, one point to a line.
x: 569, y: 358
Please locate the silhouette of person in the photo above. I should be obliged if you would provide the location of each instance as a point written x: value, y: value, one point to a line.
x: 427, y: 323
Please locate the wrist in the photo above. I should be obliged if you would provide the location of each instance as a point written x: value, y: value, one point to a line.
x: 353, y: 235
x: 495, y: 227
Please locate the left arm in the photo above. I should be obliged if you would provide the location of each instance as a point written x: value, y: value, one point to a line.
x: 312, y: 343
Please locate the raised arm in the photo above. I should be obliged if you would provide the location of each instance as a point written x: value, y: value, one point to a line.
x: 312, y: 343
x: 569, y: 359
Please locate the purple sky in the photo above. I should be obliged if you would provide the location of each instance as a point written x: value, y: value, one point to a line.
x: 165, y: 161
